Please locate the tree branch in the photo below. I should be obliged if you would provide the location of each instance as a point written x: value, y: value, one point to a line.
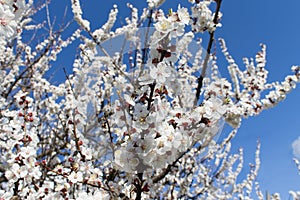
x: 198, y: 91
x: 208, y: 51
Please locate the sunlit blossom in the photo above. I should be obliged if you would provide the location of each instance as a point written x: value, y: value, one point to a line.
x: 7, y: 23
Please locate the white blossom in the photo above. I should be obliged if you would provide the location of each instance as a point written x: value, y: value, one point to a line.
x: 154, y: 3
x: 7, y: 23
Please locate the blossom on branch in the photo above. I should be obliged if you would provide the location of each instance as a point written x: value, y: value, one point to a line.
x: 7, y: 21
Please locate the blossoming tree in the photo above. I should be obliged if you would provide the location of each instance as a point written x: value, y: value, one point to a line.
x: 137, y: 123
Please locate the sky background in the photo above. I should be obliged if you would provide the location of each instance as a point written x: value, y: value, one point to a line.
x: 246, y: 24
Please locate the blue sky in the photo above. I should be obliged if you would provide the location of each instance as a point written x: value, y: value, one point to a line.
x: 246, y: 24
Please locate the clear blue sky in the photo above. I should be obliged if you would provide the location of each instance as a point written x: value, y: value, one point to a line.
x: 246, y: 24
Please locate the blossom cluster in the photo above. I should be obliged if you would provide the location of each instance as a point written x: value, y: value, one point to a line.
x: 204, y: 18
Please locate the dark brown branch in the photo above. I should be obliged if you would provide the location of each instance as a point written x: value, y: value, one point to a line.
x: 165, y: 171
x: 150, y: 99
x: 208, y: 51
x: 138, y: 186
x: 109, y: 130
